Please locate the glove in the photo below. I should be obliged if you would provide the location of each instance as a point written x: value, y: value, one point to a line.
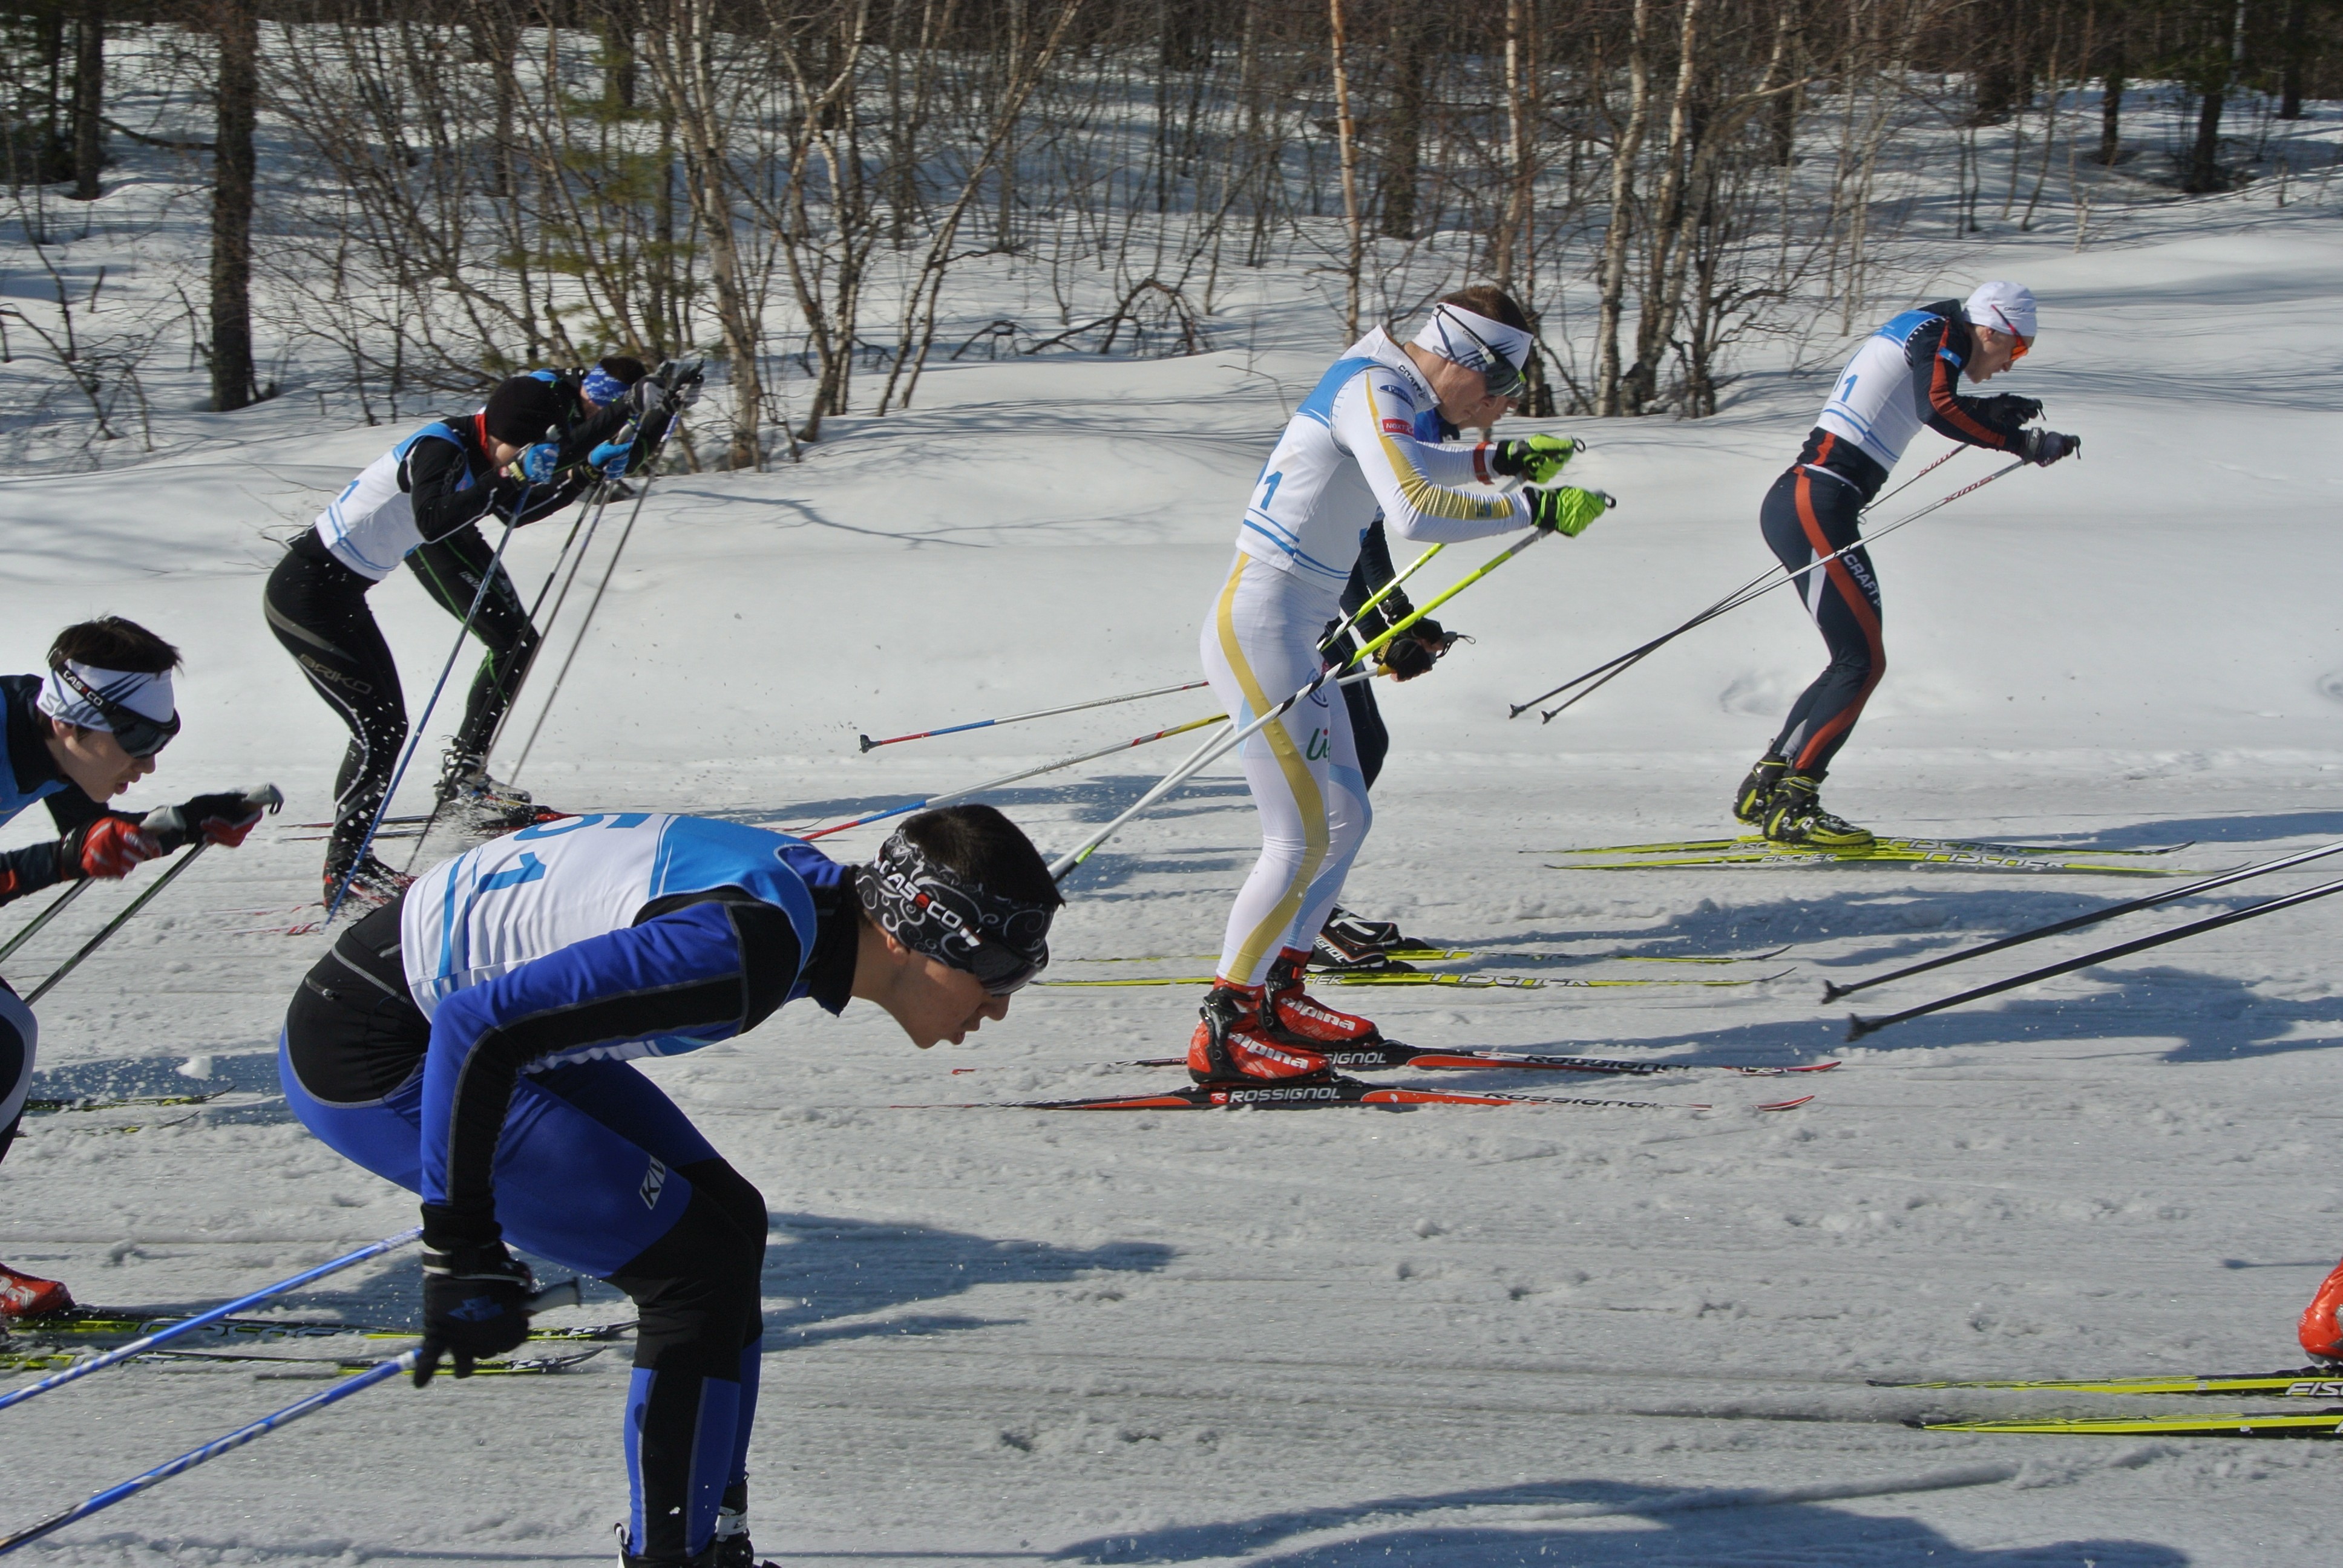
x: 1537, y: 459
x: 612, y: 457
x: 536, y: 464
x: 2044, y: 448
x: 683, y: 379
x: 108, y: 847
x: 476, y: 1298
x: 2008, y: 410
x: 1415, y: 650
x: 648, y: 397
x: 1566, y: 509
x: 224, y: 818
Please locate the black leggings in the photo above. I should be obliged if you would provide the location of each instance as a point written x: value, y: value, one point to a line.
x: 450, y: 571
x: 1807, y: 515
x: 318, y: 608
x: 18, y: 1036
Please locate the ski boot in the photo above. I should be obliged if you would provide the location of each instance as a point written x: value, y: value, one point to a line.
x: 1350, y: 943
x: 732, y: 1543
x: 1756, y: 791
x: 1292, y: 1016
x: 1793, y: 816
x: 466, y: 793
x: 2320, y: 1331
x: 372, y: 884
x: 29, y: 1296
x: 1233, y: 1046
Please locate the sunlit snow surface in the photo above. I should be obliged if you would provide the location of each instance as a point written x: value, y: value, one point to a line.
x: 1450, y: 1337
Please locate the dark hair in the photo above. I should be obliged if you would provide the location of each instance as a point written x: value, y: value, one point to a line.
x: 980, y: 844
x: 521, y: 410
x: 1487, y: 299
x: 111, y: 642
x: 625, y: 367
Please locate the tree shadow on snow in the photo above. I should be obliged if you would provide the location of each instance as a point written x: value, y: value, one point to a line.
x: 1652, y: 1527
x: 2238, y: 829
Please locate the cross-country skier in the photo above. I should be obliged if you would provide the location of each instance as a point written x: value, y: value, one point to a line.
x: 1906, y: 375
x: 469, y: 1042
x: 1366, y: 438
x: 76, y: 737
x: 451, y: 568
x: 514, y: 458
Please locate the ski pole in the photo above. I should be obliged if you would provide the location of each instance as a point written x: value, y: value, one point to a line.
x: 871, y: 745
x: 589, y: 519
x: 562, y: 1294
x: 1621, y: 664
x: 56, y: 907
x: 262, y: 795
x: 1327, y: 643
x: 1858, y: 1026
x: 587, y: 624
x: 991, y: 784
x: 415, y: 737
x: 1219, y: 745
x: 2205, y: 885
x: 205, y: 1320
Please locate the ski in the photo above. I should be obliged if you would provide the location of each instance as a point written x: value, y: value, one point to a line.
x: 2325, y: 1424
x: 117, y: 1322
x: 1419, y: 954
x: 1979, y: 846
x: 1342, y: 1091
x: 1391, y: 1054
x: 59, y: 1359
x: 2301, y: 1383
x: 1792, y: 855
x: 114, y: 1101
x: 1477, y: 982
x: 416, y: 819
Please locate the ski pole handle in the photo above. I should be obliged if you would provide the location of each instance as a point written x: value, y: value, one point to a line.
x: 1326, y: 644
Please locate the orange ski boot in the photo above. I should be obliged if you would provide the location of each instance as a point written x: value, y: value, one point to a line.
x: 1232, y: 1046
x: 2320, y: 1334
x: 1292, y: 1016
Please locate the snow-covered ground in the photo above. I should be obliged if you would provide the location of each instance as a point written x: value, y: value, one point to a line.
x: 1452, y: 1336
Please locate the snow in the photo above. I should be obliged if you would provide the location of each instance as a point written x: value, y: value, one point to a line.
x: 1452, y: 1336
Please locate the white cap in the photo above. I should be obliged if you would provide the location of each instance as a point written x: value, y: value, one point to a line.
x: 2004, y: 307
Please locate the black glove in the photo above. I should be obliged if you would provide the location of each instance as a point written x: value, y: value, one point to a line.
x: 1414, y: 651
x: 683, y: 379
x: 222, y: 818
x: 2044, y: 448
x: 475, y: 1297
x: 2008, y: 410
x: 647, y: 396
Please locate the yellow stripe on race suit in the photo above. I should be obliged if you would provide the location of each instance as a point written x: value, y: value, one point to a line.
x: 1261, y: 942
x: 1430, y: 499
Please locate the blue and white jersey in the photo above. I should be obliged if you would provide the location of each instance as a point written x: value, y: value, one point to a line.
x: 370, y: 527
x: 533, y: 893
x: 1366, y: 440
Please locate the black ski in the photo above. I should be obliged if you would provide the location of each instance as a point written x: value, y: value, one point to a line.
x: 1393, y: 1054
x: 1341, y: 1091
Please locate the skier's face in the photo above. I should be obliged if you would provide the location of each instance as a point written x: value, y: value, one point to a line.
x: 940, y: 1002
x: 95, y: 761
x: 1996, y: 351
x: 1464, y: 399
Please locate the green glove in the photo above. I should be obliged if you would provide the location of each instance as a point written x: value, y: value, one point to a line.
x: 1537, y: 459
x: 1567, y: 509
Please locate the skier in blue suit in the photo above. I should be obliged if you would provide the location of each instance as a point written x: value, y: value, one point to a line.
x: 471, y: 1042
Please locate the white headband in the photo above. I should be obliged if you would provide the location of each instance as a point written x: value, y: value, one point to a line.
x: 144, y: 692
x: 1451, y: 330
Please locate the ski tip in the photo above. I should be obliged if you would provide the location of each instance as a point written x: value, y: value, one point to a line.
x: 867, y: 744
x: 1786, y: 1104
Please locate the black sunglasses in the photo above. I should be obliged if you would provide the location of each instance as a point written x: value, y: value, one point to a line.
x: 1504, y: 377
x: 998, y: 968
x: 135, y: 732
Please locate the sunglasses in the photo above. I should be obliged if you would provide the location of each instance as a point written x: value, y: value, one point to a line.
x: 999, y: 969
x: 135, y: 732
x: 1504, y: 377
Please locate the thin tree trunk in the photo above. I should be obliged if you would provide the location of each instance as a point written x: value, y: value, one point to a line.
x: 2111, y: 94
x: 238, y: 27
x: 1613, y: 275
x: 89, y: 98
x: 1404, y: 136
x: 2289, y: 104
x: 1346, y: 131
x: 1663, y: 289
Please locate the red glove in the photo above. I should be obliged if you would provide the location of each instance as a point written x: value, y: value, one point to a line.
x: 221, y: 818
x: 108, y: 847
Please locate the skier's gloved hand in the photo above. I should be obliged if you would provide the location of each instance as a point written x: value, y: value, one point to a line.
x: 475, y: 1296
x: 648, y: 397
x: 535, y: 464
x: 612, y: 457
x: 109, y: 847
x: 1566, y: 509
x: 2009, y: 410
x: 683, y: 379
x: 1537, y: 459
x: 223, y: 818
x: 2044, y: 448
x: 1415, y: 650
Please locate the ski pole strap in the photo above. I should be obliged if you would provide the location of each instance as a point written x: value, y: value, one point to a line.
x: 1327, y: 643
x: 205, y: 1320
x: 2204, y: 885
x: 56, y: 907
x: 1858, y: 1026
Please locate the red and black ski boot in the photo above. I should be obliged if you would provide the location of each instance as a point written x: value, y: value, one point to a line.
x: 2320, y: 1331
x: 1231, y: 1045
x: 29, y: 1296
x: 1292, y: 1016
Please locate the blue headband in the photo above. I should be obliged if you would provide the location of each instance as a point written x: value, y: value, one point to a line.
x: 602, y: 388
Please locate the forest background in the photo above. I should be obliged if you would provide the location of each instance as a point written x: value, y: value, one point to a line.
x: 408, y: 198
